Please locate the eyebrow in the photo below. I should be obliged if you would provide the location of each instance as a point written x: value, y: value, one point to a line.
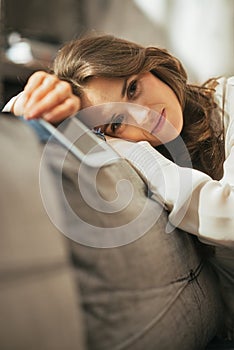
x: 123, y: 92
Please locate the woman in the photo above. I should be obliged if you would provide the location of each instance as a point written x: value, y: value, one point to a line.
x: 105, y: 69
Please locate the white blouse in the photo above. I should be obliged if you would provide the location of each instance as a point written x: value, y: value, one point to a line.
x: 196, y: 203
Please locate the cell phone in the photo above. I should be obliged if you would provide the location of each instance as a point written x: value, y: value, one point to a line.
x: 82, y: 142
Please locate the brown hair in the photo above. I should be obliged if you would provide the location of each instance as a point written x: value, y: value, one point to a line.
x: 108, y: 56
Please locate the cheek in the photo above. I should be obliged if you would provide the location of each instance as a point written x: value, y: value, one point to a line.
x: 131, y: 133
x: 178, y: 121
x: 181, y: 124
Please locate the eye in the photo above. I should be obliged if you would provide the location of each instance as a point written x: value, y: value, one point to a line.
x: 132, y: 89
x: 116, y: 122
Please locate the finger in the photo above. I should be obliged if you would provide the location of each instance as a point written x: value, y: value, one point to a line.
x: 34, y: 81
x: 36, y: 107
x: 46, y: 86
x: 61, y: 112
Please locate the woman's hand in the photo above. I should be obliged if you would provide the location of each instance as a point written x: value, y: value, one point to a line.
x: 45, y: 96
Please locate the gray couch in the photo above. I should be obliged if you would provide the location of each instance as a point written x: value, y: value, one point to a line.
x: 156, y: 292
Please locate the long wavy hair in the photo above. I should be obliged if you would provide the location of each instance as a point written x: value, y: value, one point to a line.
x: 107, y: 56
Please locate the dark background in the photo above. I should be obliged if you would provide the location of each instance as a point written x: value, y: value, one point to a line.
x: 199, y: 32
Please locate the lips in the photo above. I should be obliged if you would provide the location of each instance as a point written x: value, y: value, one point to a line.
x: 159, y: 122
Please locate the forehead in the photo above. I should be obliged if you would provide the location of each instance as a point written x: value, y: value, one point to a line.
x: 100, y: 90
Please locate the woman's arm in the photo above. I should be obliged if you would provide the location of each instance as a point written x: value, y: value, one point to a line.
x: 44, y: 96
x: 196, y: 203
x: 216, y: 209
x: 216, y: 205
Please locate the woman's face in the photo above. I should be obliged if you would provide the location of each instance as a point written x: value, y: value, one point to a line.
x: 162, y: 119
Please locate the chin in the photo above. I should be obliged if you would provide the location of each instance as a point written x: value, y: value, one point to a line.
x: 171, y: 132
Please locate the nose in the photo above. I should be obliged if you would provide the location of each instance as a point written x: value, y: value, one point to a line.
x: 136, y: 114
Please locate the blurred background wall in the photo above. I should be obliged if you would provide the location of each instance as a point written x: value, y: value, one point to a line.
x: 199, y: 32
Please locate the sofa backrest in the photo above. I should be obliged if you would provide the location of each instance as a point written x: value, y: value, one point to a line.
x: 39, y: 302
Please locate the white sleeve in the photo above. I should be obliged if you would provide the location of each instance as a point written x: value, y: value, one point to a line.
x: 9, y: 105
x: 216, y: 206
x: 171, y: 185
x: 196, y: 203
x: 216, y: 209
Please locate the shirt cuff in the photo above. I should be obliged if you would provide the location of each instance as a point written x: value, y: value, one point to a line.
x: 9, y: 105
